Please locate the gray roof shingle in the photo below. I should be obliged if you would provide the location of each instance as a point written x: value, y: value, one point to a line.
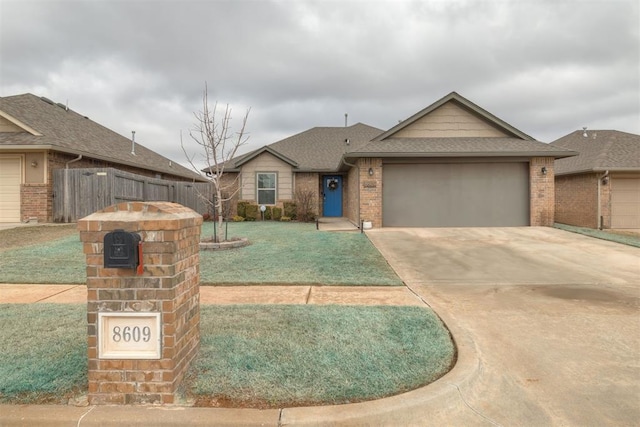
x: 600, y: 150
x: 458, y: 147
x: 67, y: 131
x: 321, y: 148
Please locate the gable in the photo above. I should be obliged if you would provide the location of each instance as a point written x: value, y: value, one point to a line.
x: 8, y: 126
x: 450, y: 120
x: 266, y: 162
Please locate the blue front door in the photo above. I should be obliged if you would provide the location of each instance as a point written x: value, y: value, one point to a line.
x: 332, y: 192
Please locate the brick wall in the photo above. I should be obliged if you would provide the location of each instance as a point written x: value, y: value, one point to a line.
x: 169, y: 285
x: 577, y: 200
x: 230, y: 186
x: 371, y: 191
x: 35, y: 202
x: 542, y: 204
x: 352, y: 207
x: 309, y: 182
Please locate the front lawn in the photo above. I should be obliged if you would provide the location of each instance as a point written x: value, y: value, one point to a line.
x: 250, y: 356
x: 280, y: 253
x: 295, y: 253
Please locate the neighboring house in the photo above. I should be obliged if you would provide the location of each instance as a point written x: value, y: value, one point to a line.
x: 599, y: 188
x: 38, y: 136
x: 452, y: 164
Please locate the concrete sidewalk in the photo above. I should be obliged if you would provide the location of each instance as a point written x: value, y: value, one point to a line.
x: 226, y: 295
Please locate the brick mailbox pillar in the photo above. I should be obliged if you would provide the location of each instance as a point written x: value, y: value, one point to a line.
x: 143, y: 322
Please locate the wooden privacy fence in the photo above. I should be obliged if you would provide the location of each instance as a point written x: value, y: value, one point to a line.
x: 81, y: 192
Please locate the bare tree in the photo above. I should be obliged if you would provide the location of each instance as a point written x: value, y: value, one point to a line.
x: 219, y: 144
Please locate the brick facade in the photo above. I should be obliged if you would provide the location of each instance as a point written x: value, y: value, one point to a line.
x: 576, y: 199
x: 370, y: 190
x: 542, y: 195
x: 230, y: 186
x: 309, y: 182
x: 35, y: 202
x: 169, y: 285
x: 352, y: 207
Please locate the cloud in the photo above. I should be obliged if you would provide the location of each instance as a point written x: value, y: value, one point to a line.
x: 546, y: 67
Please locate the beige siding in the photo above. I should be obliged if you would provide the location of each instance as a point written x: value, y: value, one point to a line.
x: 450, y: 121
x: 7, y: 126
x: 267, y: 163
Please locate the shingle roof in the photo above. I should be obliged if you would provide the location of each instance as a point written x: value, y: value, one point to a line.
x: 321, y: 148
x: 65, y: 130
x: 600, y: 150
x: 458, y: 147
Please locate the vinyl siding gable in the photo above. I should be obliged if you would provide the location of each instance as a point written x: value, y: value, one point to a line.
x: 267, y: 163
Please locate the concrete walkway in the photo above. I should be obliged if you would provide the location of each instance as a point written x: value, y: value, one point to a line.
x: 226, y: 295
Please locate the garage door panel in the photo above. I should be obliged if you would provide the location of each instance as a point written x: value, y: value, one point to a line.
x: 10, y: 180
x: 456, y: 195
x: 625, y: 203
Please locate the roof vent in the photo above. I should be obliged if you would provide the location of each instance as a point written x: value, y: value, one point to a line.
x: 584, y: 132
x: 61, y: 105
x: 47, y: 100
x: 133, y: 142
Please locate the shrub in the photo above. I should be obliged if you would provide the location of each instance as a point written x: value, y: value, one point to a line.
x: 237, y: 218
x: 276, y: 213
x: 290, y: 210
x: 268, y: 213
x: 206, y: 217
x: 285, y: 218
x: 251, y: 212
x: 304, y: 202
x: 242, y: 208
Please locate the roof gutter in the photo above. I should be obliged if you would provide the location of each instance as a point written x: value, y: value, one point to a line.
x: 556, y: 155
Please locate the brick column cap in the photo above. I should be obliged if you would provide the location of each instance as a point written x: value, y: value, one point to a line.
x: 140, y: 215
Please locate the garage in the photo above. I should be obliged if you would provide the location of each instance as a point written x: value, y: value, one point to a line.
x: 482, y: 194
x: 10, y: 180
x: 625, y: 203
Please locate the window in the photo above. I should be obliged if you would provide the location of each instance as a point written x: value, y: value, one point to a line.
x: 266, y: 188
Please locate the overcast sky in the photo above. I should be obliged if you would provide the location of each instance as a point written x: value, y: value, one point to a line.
x: 545, y: 67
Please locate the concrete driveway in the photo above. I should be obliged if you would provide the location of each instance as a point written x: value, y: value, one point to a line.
x: 552, y: 317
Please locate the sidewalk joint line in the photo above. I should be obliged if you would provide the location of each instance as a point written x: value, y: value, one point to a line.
x: 84, y: 415
x: 57, y: 293
x: 418, y: 295
x: 308, y: 296
x: 472, y: 408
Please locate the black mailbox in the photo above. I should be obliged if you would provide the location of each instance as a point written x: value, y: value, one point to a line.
x: 122, y: 249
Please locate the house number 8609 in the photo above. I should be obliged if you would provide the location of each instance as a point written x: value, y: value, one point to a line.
x: 128, y: 334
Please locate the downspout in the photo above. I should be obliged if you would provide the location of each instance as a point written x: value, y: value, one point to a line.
x: 65, y: 197
x: 599, y: 219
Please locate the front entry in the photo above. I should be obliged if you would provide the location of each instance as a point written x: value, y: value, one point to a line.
x: 332, y: 194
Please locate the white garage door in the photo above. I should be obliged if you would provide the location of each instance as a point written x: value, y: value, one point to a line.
x: 10, y: 180
x: 455, y: 195
x: 625, y: 203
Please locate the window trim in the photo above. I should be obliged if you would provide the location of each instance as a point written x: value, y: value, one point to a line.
x: 274, y: 189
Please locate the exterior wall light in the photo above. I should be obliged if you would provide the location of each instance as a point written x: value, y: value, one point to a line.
x: 34, y: 164
x: 370, y: 171
x: 544, y: 170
